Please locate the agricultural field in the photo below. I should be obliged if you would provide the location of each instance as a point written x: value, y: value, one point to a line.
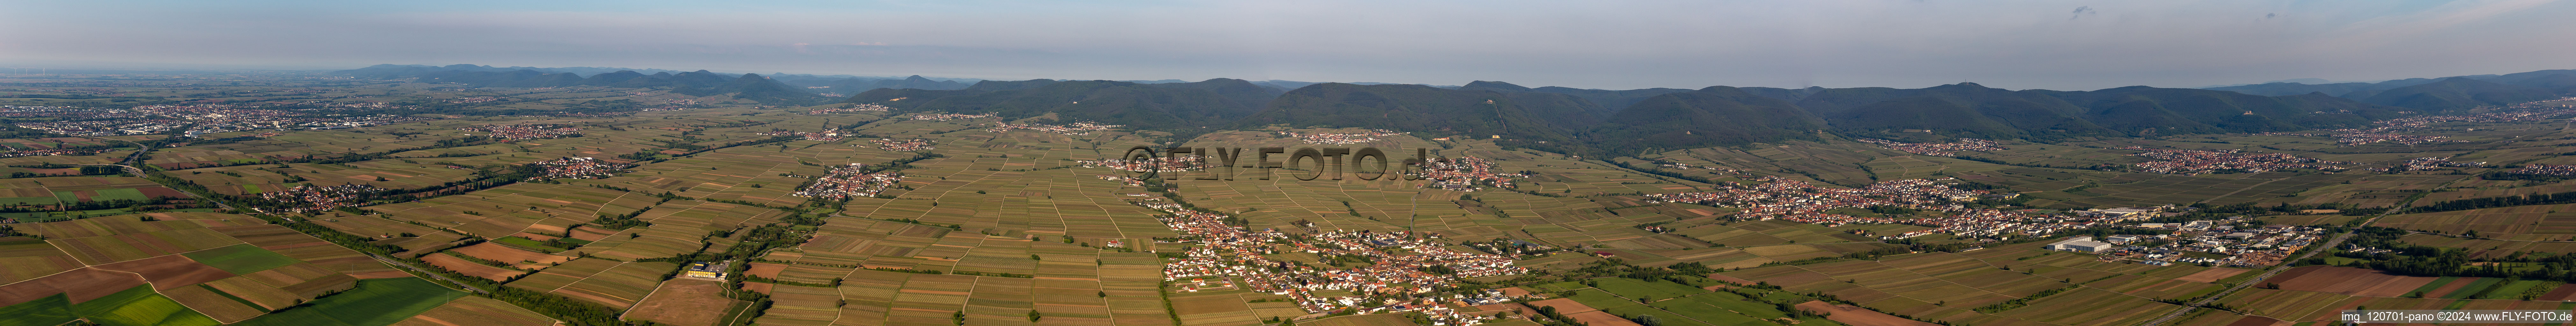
x: 46, y: 199
x: 372, y: 302
x: 2533, y: 222
x: 1021, y: 220
x: 187, y: 269
x: 1972, y: 286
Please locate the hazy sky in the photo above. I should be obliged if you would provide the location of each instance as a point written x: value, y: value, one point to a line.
x: 2067, y: 45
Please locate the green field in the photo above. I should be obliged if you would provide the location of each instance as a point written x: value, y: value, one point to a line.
x: 375, y: 302
x: 27, y: 200
x: 139, y: 306
x: 240, y: 258
x: 50, y: 310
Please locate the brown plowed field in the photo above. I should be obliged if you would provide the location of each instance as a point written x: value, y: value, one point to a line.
x: 1856, y: 316
x: 2211, y: 275
x: 2257, y: 321
x: 2350, y: 281
x: 169, y: 271
x: 2560, y: 294
x: 159, y: 192
x: 684, y: 302
x: 83, y: 284
x: 461, y: 266
x: 765, y: 270
x: 506, y: 254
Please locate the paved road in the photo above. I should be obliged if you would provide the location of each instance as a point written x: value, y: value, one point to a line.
x: 426, y: 273
x: 2267, y: 274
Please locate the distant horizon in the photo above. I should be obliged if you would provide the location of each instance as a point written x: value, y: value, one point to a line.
x: 2013, y: 44
x: 6, y: 68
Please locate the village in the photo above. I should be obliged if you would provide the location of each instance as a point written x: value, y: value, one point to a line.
x: 2428, y: 163
x: 1465, y: 173
x: 821, y: 136
x: 949, y: 116
x: 1340, y: 139
x: 2350, y: 139
x: 108, y: 127
x: 1939, y: 149
x: 1788, y: 199
x: 1150, y: 164
x: 849, y: 181
x: 1393, y: 272
x: 2545, y: 169
x: 1076, y: 129
x: 902, y: 145
x: 852, y: 108
x: 67, y: 113
x: 2222, y: 243
x: 310, y: 198
x: 575, y: 168
x: 2197, y: 162
x: 527, y: 131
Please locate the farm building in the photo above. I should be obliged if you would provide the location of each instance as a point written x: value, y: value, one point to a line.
x: 2085, y: 244
x: 707, y: 269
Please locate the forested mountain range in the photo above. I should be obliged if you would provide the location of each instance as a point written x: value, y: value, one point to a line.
x: 694, y: 83
x: 1626, y: 121
x: 2435, y: 94
x: 1162, y: 106
x: 1595, y: 121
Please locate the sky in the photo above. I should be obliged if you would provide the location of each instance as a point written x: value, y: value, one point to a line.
x: 2017, y: 44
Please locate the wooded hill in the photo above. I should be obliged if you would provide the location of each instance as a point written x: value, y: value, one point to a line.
x: 694, y: 83
x: 1579, y: 121
x: 2436, y: 94
x: 1582, y: 121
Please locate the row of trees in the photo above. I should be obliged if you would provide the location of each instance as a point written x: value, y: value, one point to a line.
x: 2499, y: 201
